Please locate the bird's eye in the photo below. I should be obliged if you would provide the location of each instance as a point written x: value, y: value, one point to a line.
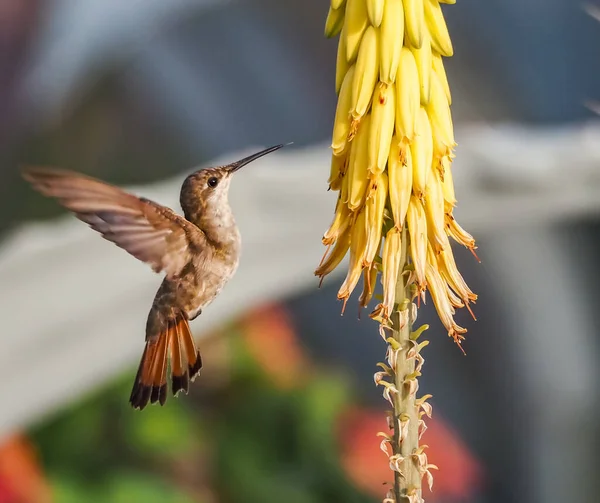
x: 213, y: 181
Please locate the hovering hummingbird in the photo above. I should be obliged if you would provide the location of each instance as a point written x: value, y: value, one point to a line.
x: 198, y: 254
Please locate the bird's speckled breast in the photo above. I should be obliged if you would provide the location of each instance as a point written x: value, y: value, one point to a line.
x: 210, y: 276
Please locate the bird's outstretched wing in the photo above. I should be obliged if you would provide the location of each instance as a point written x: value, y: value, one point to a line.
x: 150, y: 232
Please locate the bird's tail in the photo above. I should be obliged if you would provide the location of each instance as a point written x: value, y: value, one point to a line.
x: 177, y: 344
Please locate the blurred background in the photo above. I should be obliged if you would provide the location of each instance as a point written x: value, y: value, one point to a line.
x: 139, y: 93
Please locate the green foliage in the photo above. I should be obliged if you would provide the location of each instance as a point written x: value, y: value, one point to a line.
x: 255, y: 443
x: 121, y: 488
x: 165, y: 431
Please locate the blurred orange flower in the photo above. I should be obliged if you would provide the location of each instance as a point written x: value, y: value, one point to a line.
x: 21, y: 478
x: 459, y: 473
x: 271, y: 340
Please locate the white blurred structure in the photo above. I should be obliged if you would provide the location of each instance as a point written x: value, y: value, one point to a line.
x: 74, y: 306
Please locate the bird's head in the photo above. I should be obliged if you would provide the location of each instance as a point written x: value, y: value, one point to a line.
x: 204, y: 192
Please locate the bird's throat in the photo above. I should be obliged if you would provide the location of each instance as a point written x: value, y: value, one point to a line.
x: 220, y: 228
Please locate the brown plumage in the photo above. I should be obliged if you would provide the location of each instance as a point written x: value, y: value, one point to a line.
x: 198, y: 254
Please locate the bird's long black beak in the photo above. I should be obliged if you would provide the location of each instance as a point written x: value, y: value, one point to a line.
x: 233, y: 167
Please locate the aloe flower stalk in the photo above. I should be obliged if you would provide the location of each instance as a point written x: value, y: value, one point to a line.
x: 392, y: 151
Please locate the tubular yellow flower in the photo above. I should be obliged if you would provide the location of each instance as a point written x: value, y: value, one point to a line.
x: 342, y: 64
x: 358, y: 166
x: 438, y: 111
x: 392, y: 36
x: 340, y: 223
x: 382, y: 127
x: 390, y: 270
x: 334, y: 22
x: 337, y: 254
x: 341, y: 122
x: 424, y: 59
x: 374, y: 208
x: 408, y: 92
x: 458, y: 233
x: 438, y: 68
x: 437, y: 289
x: 414, y: 19
x: 393, y: 146
x: 434, y: 211
x: 453, y: 278
x: 417, y: 229
x: 422, y: 153
x: 440, y: 38
x: 400, y: 182
x: 369, y: 281
x: 447, y: 184
x: 358, y: 242
x: 339, y: 165
x: 365, y: 76
x: 356, y: 23
x: 375, y: 11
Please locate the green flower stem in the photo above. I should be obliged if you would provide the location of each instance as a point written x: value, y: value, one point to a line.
x: 407, y: 482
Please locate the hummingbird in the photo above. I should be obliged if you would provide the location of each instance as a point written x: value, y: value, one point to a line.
x: 198, y: 254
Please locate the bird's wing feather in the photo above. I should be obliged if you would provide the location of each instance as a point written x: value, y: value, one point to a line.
x: 150, y: 232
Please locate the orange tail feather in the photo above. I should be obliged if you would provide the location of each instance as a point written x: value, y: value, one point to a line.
x: 177, y: 343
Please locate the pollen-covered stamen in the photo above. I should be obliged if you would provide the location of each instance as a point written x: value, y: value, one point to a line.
x: 325, y: 254
x: 369, y: 280
x: 474, y: 253
x: 457, y: 337
x: 470, y: 311
x: 344, y: 302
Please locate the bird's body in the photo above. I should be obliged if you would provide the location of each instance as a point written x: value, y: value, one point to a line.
x: 199, y: 253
